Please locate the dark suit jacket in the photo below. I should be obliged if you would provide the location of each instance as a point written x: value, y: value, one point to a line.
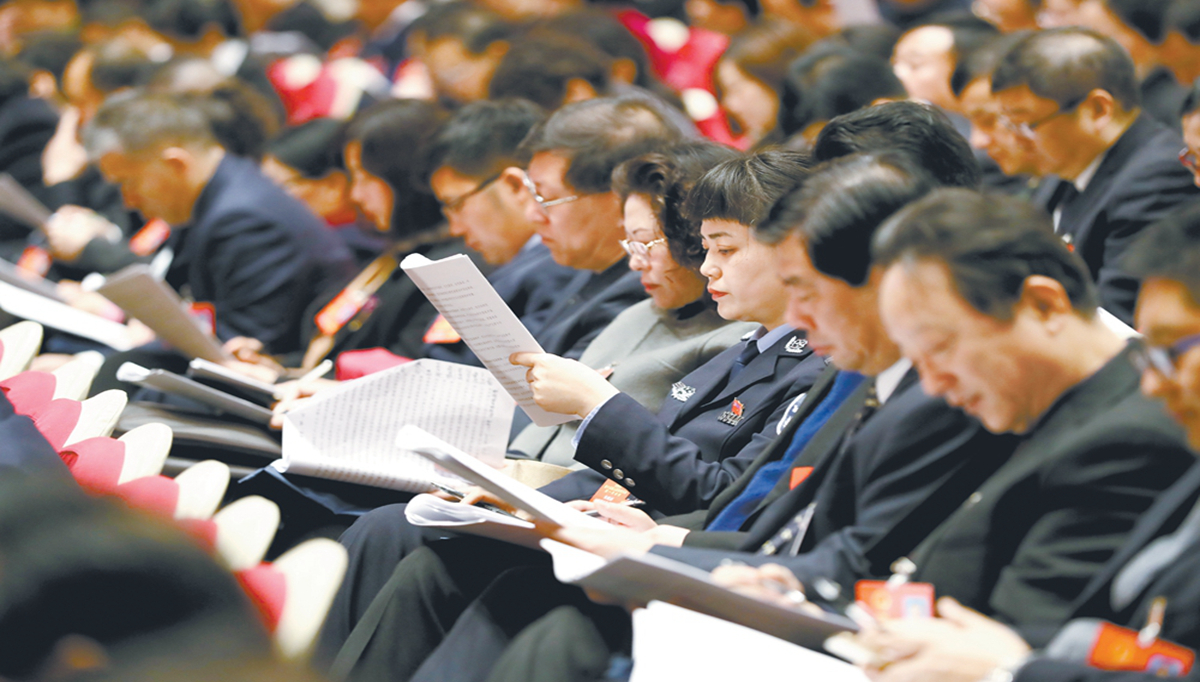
x: 257, y: 255
x: 586, y: 304
x: 1033, y: 535
x: 396, y: 316
x: 1139, y: 181
x: 912, y: 450
x: 680, y: 460
x: 26, y: 125
x: 530, y: 284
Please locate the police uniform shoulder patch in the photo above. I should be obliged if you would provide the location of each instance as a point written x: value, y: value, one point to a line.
x: 796, y: 345
x: 681, y: 391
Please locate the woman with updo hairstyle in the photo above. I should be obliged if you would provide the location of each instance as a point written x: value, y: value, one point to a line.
x: 654, y: 343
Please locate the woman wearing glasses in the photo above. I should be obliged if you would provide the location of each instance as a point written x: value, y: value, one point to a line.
x: 715, y: 420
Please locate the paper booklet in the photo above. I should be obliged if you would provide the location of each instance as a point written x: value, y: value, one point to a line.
x: 48, y: 312
x: 349, y: 433
x: 174, y: 384
x: 11, y: 274
x: 487, y: 325
x: 665, y: 639
x: 648, y: 577
x: 203, y: 370
x: 143, y: 296
x: 537, y: 504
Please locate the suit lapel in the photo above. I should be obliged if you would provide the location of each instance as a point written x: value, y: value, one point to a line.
x: 779, y: 446
x: 1074, y: 214
x: 759, y: 369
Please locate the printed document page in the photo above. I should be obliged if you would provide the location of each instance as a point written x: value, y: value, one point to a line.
x: 156, y: 305
x: 489, y: 328
x: 349, y: 433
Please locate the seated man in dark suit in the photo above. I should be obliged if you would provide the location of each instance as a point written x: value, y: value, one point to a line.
x: 1159, y: 561
x: 476, y: 175
x: 882, y: 451
x: 1073, y: 94
x: 246, y: 248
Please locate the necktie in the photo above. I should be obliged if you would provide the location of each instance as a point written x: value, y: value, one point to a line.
x: 791, y: 535
x: 1154, y: 557
x: 744, y: 358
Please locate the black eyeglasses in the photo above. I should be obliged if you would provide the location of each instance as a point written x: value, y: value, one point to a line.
x: 454, y: 205
x: 1163, y: 359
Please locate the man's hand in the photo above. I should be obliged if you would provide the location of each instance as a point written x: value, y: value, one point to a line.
x: 563, y: 386
x: 63, y: 157
x: 292, y: 394
x: 71, y: 228
x: 960, y: 646
x: 769, y: 582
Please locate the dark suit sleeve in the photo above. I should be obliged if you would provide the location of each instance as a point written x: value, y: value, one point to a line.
x: 668, y: 470
x: 1047, y: 670
x: 912, y: 460
x: 254, y: 270
x: 1140, y: 202
x: 1090, y: 502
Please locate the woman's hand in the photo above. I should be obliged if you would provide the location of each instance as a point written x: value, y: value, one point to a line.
x: 563, y: 386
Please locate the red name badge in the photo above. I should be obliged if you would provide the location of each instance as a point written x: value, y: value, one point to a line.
x: 339, y: 311
x: 205, y: 316
x: 35, y: 261
x: 612, y: 492
x: 1118, y: 648
x: 152, y: 235
x: 799, y: 475
x: 903, y: 600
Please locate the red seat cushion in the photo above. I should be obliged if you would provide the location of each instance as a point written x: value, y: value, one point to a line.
x: 57, y: 420
x: 156, y: 494
x: 96, y: 463
x: 267, y: 589
x: 359, y: 363
x: 29, y: 391
x: 203, y: 531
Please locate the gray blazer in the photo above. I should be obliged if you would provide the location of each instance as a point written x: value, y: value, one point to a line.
x: 648, y: 349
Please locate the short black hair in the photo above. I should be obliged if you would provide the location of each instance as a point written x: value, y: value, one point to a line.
x: 602, y: 30
x: 1184, y: 16
x: 484, y: 138
x: 877, y: 40
x: 982, y: 60
x: 477, y: 27
x: 1147, y: 17
x: 839, y: 209
x: 597, y: 135
x: 833, y: 80
x: 666, y: 179
x: 241, y: 118
x: 313, y: 149
x: 1169, y: 249
x: 539, y: 67
x: 118, y: 64
x: 50, y: 51
x: 990, y: 244
x: 137, y: 122
x: 394, y: 136
x: 919, y: 131
x: 189, y: 19
x: 742, y: 190
x: 1065, y: 64
x: 1191, y: 103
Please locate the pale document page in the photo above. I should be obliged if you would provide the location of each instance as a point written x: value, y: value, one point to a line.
x: 484, y: 321
x: 50, y: 313
x: 155, y: 304
x: 349, y: 433
x: 671, y: 643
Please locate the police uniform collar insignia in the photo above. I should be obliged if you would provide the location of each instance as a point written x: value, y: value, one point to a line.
x: 733, y: 415
x: 796, y: 345
x: 681, y: 391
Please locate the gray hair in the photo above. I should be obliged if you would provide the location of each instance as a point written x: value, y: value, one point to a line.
x: 138, y: 122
